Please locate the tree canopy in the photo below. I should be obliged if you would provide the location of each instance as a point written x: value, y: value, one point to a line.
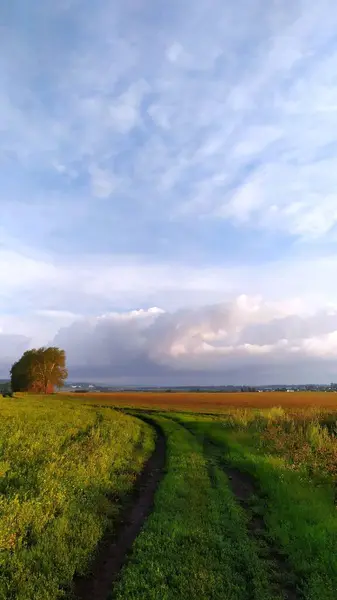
x: 39, y: 370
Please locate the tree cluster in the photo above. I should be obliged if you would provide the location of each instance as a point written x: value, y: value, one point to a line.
x: 39, y: 370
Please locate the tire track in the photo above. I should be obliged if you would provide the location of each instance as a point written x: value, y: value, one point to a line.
x: 113, y: 550
x: 245, y: 489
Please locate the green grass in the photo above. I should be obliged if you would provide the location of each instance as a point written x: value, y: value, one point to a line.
x: 67, y: 467
x: 64, y: 472
x: 300, y: 513
x: 195, y: 544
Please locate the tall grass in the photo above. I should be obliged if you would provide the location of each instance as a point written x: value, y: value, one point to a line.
x: 64, y: 471
x: 293, y: 459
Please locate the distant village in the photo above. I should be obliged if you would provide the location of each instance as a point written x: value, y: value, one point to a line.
x: 84, y: 387
x: 94, y: 388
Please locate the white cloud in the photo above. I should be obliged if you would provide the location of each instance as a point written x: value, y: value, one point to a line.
x: 20, y: 271
x: 34, y: 327
x: 174, y: 51
x: 211, y: 125
x: 246, y: 92
x: 211, y: 341
x: 103, y: 182
x: 11, y: 345
x: 160, y: 115
x: 11, y: 348
x: 256, y: 139
x: 124, y: 112
x: 94, y: 284
x: 222, y: 341
x: 245, y: 203
x: 287, y: 198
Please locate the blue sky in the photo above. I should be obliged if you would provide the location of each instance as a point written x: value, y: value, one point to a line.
x: 171, y: 155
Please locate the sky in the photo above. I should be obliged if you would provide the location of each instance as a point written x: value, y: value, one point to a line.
x: 168, y: 189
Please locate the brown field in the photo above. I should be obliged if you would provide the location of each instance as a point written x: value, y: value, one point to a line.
x: 211, y: 401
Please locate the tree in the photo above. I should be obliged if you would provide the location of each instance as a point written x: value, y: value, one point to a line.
x: 39, y: 370
x: 21, y: 374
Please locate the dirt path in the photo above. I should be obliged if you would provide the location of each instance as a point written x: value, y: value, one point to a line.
x: 114, y: 548
x: 246, y: 491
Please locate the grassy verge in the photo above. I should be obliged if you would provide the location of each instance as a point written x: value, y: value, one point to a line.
x: 195, y: 543
x: 300, y: 513
x: 64, y: 471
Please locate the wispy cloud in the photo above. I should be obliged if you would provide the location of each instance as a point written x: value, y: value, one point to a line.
x: 171, y: 155
x: 247, y: 94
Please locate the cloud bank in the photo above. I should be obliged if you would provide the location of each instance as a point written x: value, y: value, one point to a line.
x: 244, y: 341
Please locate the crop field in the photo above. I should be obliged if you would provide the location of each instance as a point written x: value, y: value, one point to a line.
x: 210, y: 401
x: 146, y: 503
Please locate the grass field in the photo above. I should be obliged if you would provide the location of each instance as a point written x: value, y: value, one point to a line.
x: 245, y: 509
x: 64, y: 471
x: 195, y: 544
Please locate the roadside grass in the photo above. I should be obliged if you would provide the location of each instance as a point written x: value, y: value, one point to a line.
x: 195, y: 544
x: 300, y: 513
x: 64, y: 472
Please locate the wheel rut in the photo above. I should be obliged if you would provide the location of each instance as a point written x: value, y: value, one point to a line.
x: 247, y: 493
x: 245, y: 489
x: 114, y: 548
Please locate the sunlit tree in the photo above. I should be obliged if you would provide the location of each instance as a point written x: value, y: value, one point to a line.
x: 39, y: 370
